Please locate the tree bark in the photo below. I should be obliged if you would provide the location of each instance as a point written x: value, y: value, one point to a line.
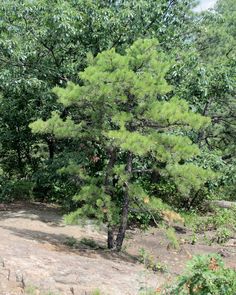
x: 191, y: 201
x: 125, y: 210
x: 110, y: 237
x: 205, y: 110
x: 51, y: 147
x: 19, y: 160
x: 107, y: 185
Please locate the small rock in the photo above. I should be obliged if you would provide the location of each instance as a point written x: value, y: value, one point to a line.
x: 180, y: 229
x: 20, y: 279
x: 223, y: 253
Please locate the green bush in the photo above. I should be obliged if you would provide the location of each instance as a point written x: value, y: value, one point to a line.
x: 11, y: 190
x: 222, y: 235
x: 222, y: 217
x: 54, y: 187
x: 71, y: 242
x: 89, y: 243
x: 206, y: 275
x: 218, y: 219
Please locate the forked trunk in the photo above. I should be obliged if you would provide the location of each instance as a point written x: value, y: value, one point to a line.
x: 123, y: 223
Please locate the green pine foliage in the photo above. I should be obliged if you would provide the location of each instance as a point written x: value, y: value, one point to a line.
x: 56, y: 126
x: 122, y: 106
x: 189, y: 176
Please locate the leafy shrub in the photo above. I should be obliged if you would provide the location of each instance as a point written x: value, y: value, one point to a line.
x: 154, y: 209
x: 206, y: 275
x: 71, y: 242
x: 141, y: 219
x: 16, y: 190
x: 222, y: 217
x: 89, y: 243
x: 53, y: 186
x: 222, y: 235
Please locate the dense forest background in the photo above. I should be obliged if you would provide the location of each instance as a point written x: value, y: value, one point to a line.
x: 115, y: 109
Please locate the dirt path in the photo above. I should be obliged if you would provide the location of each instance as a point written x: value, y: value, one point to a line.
x: 155, y: 242
x: 32, y: 253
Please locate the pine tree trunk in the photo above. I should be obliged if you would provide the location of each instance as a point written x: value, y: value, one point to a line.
x: 123, y: 223
x: 107, y: 185
x: 125, y: 210
x: 110, y: 237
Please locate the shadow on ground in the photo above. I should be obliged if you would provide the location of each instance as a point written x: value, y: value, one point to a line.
x: 60, y: 241
x: 49, y: 214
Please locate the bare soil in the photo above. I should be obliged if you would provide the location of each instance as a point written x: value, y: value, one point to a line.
x: 35, y: 253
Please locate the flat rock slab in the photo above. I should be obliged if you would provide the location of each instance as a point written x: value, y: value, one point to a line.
x: 33, y: 253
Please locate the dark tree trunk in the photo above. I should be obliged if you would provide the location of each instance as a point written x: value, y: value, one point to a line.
x: 202, y: 134
x: 125, y: 210
x: 123, y: 223
x: 51, y: 147
x: 192, y: 200
x: 108, y: 190
x: 18, y: 149
x: 110, y: 237
x: 19, y: 160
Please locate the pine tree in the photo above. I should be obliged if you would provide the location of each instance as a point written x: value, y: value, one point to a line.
x: 122, y: 107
